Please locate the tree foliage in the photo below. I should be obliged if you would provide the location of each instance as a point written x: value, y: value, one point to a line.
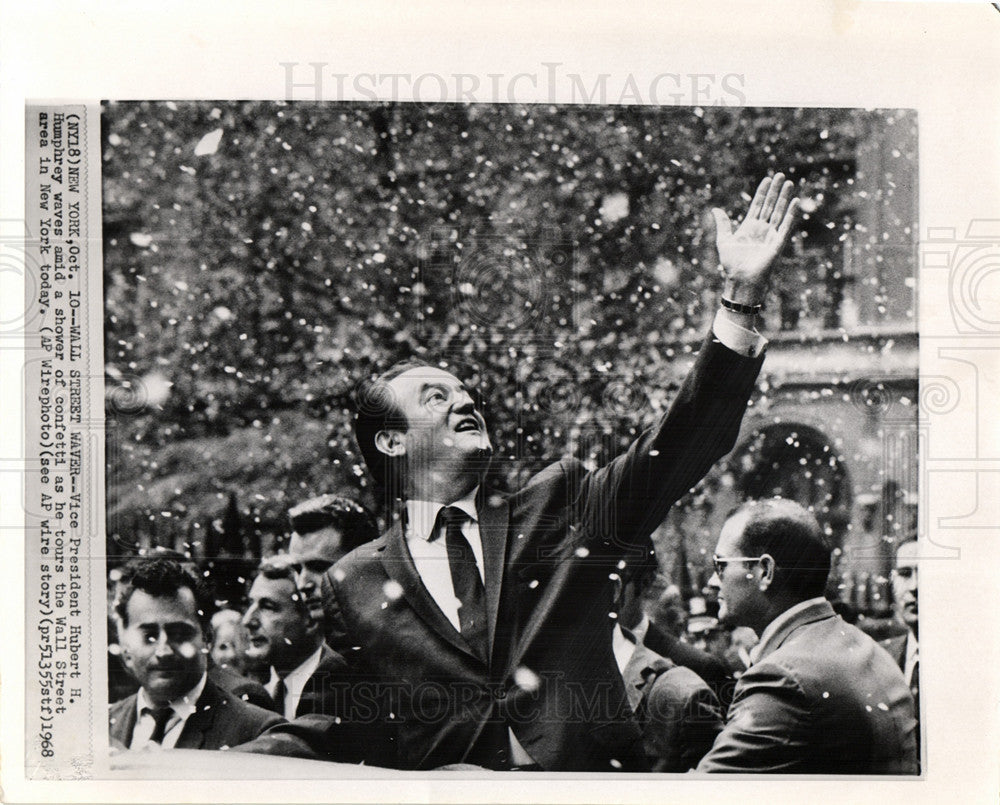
x: 261, y: 258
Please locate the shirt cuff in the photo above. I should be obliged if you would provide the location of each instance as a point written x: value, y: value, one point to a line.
x: 735, y: 336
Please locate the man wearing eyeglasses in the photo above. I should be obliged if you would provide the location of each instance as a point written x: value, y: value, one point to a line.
x: 482, y: 618
x: 820, y: 696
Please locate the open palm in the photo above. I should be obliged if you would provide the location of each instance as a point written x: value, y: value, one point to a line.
x: 748, y: 253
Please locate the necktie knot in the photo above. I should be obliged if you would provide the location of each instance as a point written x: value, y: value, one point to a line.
x: 451, y: 517
x: 161, y: 716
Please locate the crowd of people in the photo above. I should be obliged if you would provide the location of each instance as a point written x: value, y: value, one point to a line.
x: 514, y: 632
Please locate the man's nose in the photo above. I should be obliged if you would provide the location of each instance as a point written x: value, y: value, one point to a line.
x: 714, y: 580
x: 250, y: 617
x: 303, y: 579
x: 164, y: 648
x: 462, y: 401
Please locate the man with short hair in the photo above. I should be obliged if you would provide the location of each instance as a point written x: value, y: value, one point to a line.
x: 820, y: 696
x: 324, y: 529
x: 903, y: 586
x: 162, y: 615
x: 283, y: 632
x: 484, y: 617
x: 905, y: 648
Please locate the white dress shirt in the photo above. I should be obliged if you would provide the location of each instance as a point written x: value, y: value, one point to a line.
x: 183, y: 707
x: 295, y: 681
x: 729, y: 330
x: 430, y: 551
x: 623, y: 646
x: 430, y: 555
x: 912, y: 655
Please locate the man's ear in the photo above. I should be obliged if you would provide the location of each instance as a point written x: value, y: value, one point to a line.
x: 390, y: 442
x: 123, y: 652
x: 315, y: 622
x: 767, y: 568
x: 617, y: 588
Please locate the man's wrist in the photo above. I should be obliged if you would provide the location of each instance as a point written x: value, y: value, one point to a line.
x: 748, y: 321
x: 744, y: 293
x: 736, y: 307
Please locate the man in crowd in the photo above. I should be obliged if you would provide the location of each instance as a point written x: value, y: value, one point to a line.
x: 708, y: 635
x: 227, y: 666
x: 284, y: 633
x: 905, y: 648
x: 820, y: 696
x: 324, y: 529
x: 162, y: 619
x: 484, y: 617
x: 667, y: 643
x: 679, y: 714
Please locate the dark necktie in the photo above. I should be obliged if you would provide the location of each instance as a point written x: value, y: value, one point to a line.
x: 465, y: 579
x: 279, y: 696
x: 161, y: 715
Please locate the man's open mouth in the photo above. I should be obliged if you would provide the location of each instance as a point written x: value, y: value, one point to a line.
x: 467, y: 424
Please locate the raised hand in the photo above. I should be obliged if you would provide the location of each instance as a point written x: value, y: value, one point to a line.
x: 748, y: 254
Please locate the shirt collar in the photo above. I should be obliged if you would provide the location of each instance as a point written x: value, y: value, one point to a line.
x: 422, y: 514
x: 638, y: 632
x: 298, y: 677
x: 768, y: 638
x: 183, y: 706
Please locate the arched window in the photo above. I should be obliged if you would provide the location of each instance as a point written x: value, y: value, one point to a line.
x: 797, y: 462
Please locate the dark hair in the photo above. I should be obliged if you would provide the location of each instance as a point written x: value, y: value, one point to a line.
x: 378, y: 410
x: 162, y: 577
x: 908, y: 538
x: 282, y: 566
x: 794, y: 539
x: 356, y: 524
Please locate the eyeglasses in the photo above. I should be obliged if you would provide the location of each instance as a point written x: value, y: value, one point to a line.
x: 720, y: 562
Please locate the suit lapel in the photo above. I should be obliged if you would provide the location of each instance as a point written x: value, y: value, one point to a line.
x: 493, y: 518
x: 314, y: 691
x: 124, y: 716
x: 633, y: 677
x: 200, y: 721
x: 399, y: 566
x: 896, y: 646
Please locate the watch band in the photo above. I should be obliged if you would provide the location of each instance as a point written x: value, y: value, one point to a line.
x: 736, y: 307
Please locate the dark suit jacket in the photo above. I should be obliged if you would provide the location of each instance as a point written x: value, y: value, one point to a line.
x: 551, y: 677
x: 896, y: 646
x: 679, y: 714
x: 241, y: 687
x: 322, y: 690
x: 220, y: 720
x: 708, y: 667
x: 825, y: 699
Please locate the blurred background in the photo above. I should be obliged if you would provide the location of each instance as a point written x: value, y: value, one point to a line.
x: 261, y: 258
